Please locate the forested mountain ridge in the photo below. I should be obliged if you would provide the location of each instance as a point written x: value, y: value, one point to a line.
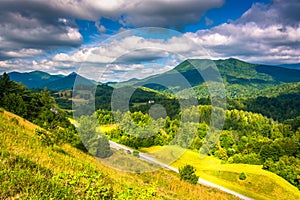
x: 240, y: 78
x: 34, y: 79
x: 40, y: 80
x: 280, y: 102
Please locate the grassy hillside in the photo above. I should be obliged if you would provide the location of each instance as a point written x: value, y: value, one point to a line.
x: 259, y: 184
x: 30, y: 170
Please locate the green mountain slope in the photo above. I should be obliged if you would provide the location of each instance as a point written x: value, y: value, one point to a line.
x: 35, y: 79
x: 280, y: 102
x: 67, y: 82
x: 240, y: 78
x: 29, y: 169
x: 39, y: 80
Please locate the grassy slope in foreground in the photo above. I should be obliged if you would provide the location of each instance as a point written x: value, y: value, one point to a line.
x: 259, y: 184
x: 30, y: 170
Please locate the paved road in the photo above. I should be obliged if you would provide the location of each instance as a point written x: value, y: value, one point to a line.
x: 201, y: 181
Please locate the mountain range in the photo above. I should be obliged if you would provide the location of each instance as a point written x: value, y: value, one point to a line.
x: 40, y: 80
x: 240, y: 78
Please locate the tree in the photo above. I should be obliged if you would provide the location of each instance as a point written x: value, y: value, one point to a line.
x: 87, y: 129
x: 187, y: 173
x: 222, y: 154
x: 226, y: 140
x: 273, y: 151
x: 14, y: 103
x: 102, y: 147
x: 96, y: 144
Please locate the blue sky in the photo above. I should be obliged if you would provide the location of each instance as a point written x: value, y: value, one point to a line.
x: 113, y: 37
x: 228, y: 11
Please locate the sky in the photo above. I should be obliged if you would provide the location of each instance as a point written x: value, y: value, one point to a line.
x: 117, y: 40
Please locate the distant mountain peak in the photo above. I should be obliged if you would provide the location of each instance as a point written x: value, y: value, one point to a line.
x: 40, y: 79
x: 73, y: 74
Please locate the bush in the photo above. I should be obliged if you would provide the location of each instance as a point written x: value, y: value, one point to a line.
x: 136, y: 153
x: 45, y: 138
x: 221, y: 154
x: 242, y: 176
x: 187, y: 173
x: 15, y: 121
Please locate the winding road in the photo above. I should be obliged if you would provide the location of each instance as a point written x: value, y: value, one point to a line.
x: 148, y: 158
x: 201, y: 181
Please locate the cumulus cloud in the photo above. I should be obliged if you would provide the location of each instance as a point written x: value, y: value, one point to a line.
x: 134, y: 49
x: 131, y: 56
x: 264, y: 34
x: 26, y: 25
x: 51, y: 24
x: 135, y: 12
x: 166, y: 13
x: 284, y: 12
x: 23, y: 53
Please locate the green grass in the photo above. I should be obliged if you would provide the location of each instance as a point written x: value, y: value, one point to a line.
x: 259, y: 184
x: 29, y: 170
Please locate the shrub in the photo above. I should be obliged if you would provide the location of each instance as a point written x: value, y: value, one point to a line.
x: 15, y: 121
x: 242, y: 176
x: 136, y: 153
x: 187, y: 173
x: 45, y: 138
x: 221, y: 154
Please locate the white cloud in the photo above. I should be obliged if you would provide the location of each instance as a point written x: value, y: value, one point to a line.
x: 284, y: 12
x: 261, y: 35
x: 23, y: 53
x: 264, y: 33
